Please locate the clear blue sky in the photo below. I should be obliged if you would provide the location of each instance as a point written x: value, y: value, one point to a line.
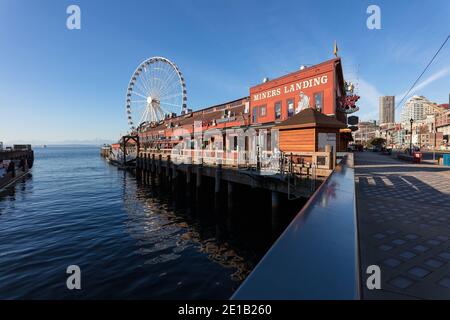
x: 58, y: 84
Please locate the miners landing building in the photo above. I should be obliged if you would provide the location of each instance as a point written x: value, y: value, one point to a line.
x: 295, y: 104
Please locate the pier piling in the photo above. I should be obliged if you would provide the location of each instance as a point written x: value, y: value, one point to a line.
x: 275, y: 210
x: 168, y: 168
x: 174, y: 177
x: 217, y: 184
x: 230, y: 194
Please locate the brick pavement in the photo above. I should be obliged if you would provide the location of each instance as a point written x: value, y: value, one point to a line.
x: 404, y: 226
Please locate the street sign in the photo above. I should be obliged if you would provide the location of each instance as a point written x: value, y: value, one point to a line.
x: 352, y: 120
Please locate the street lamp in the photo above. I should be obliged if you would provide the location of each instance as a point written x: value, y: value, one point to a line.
x: 410, y: 140
x: 433, y: 126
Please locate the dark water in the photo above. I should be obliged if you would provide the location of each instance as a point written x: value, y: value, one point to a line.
x: 130, y: 241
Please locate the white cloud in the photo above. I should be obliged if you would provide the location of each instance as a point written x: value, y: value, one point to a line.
x: 436, y: 76
x: 369, y: 100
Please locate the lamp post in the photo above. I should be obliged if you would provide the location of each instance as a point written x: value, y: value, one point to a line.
x: 410, y: 140
x: 388, y: 138
x: 434, y: 144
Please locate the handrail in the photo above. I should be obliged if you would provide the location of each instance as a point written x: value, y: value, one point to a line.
x: 316, y: 257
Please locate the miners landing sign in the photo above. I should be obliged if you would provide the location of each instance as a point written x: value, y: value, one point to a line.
x: 291, y: 88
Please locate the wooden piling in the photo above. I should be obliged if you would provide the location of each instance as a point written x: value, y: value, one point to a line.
x: 275, y: 210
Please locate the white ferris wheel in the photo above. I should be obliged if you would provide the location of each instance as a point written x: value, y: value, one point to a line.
x: 156, y: 89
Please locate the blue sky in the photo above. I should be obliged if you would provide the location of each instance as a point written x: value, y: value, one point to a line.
x: 58, y: 84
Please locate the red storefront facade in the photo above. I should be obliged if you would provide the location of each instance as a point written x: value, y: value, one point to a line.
x: 320, y: 87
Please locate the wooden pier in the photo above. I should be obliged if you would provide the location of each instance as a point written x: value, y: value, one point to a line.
x: 283, y: 176
x: 26, y: 160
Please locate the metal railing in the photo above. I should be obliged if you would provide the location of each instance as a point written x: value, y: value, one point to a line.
x: 316, y: 257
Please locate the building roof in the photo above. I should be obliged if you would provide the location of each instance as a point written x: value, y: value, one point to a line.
x: 205, y: 116
x: 311, y: 118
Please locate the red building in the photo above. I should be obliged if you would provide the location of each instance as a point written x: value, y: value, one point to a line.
x: 320, y: 87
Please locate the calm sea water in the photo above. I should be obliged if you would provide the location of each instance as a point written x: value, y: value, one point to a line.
x: 130, y: 241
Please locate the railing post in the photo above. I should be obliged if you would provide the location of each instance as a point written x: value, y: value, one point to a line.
x: 329, y: 156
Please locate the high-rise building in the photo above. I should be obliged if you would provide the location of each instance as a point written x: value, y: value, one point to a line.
x: 418, y: 108
x: 387, y: 109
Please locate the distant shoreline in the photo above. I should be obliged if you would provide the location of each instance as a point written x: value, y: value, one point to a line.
x: 40, y: 146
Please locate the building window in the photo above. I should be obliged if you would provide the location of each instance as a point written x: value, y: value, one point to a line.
x: 290, y: 107
x: 318, y: 101
x: 277, y: 110
x: 262, y: 111
x: 255, y: 114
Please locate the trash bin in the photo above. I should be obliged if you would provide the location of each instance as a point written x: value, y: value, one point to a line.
x: 417, y: 156
x: 446, y: 159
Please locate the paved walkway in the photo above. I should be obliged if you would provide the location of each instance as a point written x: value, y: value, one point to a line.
x: 404, y: 226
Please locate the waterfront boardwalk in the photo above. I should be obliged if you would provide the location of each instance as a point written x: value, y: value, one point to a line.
x: 404, y: 226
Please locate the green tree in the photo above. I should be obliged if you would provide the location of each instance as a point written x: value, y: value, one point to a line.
x: 377, y: 142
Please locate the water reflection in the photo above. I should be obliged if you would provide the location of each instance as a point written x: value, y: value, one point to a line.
x: 17, y: 188
x: 131, y: 241
x: 329, y: 194
x: 168, y: 226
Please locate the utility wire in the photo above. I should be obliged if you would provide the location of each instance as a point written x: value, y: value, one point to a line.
x: 417, y: 80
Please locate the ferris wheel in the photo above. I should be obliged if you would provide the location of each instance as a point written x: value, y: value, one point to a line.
x: 156, y: 89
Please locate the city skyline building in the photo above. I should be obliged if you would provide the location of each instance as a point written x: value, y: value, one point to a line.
x: 387, y: 109
x: 418, y: 108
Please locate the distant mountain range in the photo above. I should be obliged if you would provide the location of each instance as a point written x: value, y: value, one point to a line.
x: 96, y: 142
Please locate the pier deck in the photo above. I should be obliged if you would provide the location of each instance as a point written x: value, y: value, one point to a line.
x: 404, y: 226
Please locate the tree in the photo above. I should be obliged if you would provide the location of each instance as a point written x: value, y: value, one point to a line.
x: 377, y: 142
